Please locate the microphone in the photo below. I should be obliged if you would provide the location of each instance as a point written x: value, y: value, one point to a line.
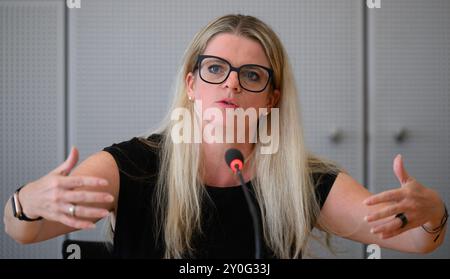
x: 235, y: 160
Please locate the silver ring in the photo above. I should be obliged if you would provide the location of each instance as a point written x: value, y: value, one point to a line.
x: 72, y: 210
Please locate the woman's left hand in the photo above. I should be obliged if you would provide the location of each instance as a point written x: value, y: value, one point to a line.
x: 419, y: 204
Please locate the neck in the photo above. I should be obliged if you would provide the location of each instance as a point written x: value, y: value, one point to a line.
x: 216, y: 171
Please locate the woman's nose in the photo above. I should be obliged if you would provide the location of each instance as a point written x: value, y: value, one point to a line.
x: 232, y: 82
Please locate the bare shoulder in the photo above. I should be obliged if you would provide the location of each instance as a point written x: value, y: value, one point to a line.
x: 344, y: 203
x: 101, y: 164
x: 345, y: 188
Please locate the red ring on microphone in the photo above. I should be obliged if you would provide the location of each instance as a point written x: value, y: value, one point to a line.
x: 234, y: 163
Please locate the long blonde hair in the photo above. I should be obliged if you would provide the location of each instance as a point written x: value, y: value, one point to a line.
x: 283, y: 183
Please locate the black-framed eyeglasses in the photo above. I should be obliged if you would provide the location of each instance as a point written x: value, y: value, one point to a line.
x: 215, y: 70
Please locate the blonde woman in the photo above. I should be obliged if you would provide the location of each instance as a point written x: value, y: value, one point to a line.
x: 180, y: 200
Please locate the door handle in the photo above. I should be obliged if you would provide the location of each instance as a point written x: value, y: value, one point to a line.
x: 401, y: 135
x: 336, y: 135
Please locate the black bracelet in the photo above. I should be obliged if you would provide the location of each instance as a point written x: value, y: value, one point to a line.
x: 441, y: 226
x: 17, y: 208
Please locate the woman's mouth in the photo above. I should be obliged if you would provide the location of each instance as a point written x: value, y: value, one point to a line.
x: 227, y: 104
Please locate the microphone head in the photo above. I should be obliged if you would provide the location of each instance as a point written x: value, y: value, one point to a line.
x: 234, y: 159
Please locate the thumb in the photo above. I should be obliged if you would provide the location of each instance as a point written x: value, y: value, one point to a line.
x: 66, y: 167
x: 399, y: 170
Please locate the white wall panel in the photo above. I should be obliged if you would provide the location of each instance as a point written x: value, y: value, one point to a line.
x: 409, y: 72
x: 31, y: 104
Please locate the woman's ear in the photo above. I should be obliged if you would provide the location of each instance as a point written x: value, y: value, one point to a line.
x: 190, y: 79
x: 273, y: 99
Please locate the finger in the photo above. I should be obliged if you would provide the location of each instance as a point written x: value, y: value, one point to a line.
x: 66, y: 167
x: 399, y: 170
x: 74, y: 222
x: 78, y: 181
x: 381, y: 221
x: 387, y: 228
x: 385, y: 212
x: 386, y: 196
x: 82, y: 211
x: 87, y: 197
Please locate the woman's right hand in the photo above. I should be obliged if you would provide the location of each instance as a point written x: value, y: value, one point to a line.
x: 52, y: 196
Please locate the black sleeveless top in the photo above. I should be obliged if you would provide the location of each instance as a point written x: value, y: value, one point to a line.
x: 227, y: 224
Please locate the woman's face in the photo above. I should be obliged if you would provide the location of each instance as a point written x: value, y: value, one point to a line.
x: 238, y: 51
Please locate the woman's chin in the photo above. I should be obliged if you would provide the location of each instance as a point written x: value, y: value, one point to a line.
x: 224, y: 133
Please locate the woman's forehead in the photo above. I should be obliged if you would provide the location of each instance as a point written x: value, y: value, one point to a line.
x: 238, y: 50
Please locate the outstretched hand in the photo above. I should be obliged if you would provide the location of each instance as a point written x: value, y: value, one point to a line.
x: 418, y: 203
x: 52, y: 196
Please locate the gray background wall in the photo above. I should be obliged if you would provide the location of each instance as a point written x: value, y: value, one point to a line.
x: 102, y: 74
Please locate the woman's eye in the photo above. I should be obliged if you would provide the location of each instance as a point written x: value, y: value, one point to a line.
x: 252, y: 76
x: 215, y: 69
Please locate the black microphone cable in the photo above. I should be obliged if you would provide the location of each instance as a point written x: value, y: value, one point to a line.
x: 235, y: 160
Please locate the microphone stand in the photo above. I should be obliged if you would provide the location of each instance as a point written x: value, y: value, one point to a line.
x: 253, y: 213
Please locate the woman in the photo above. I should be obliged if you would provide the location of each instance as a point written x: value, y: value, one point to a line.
x: 176, y: 200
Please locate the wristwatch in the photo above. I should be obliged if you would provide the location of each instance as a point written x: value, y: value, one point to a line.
x: 17, y: 208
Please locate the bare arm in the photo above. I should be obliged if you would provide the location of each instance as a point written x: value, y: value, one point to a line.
x: 51, y: 195
x: 351, y: 211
